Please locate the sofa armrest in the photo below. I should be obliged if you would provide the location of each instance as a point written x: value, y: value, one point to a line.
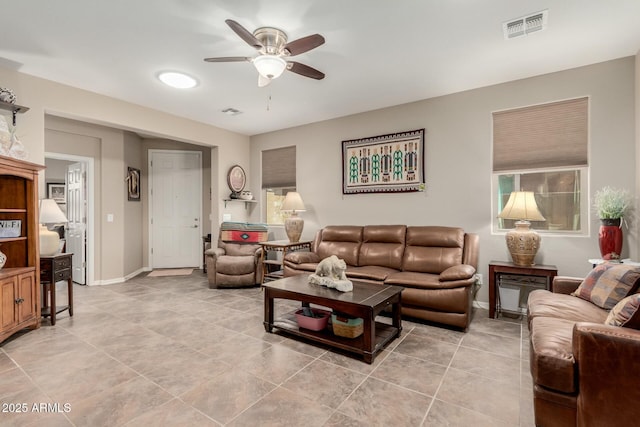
x: 302, y: 257
x: 215, y: 252
x: 607, y: 360
x: 565, y: 284
x: 457, y: 272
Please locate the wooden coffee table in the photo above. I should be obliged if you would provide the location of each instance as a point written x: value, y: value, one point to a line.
x: 366, y: 301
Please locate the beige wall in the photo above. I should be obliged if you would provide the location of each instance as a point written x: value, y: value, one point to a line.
x: 133, y: 214
x: 46, y: 98
x: 458, y: 160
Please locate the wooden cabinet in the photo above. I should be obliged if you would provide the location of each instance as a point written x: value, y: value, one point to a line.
x: 20, y: 276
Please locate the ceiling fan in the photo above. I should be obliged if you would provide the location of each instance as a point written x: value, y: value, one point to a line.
x: 274, y: 51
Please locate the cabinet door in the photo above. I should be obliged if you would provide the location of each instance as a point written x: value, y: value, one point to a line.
x: 27, y: 293
x: 8, y: 313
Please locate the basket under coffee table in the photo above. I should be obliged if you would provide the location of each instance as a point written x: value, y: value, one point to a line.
x: 366, y: 300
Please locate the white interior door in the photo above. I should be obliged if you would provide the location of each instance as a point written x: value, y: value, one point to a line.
x: 76, y: 234
x: 176, y: 208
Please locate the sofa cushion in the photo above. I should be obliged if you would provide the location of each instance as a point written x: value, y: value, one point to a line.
x: 542, y: 303
x: 607, y: 284
x: 414, y: 280
x: 551, y: 354
x: 342, y: 241
x: 382, y: 245
x: 432, y: 249
x: 240, y: 249
x: 236, y: 265
x: 369, y: 272
x: 626, y: 313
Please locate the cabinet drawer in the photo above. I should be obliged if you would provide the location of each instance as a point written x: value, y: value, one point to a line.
x: 62, y: 275
x: 60, y: 263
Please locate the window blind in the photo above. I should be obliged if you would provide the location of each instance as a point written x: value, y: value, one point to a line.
x: 541, y: 136
x: 279, y: 167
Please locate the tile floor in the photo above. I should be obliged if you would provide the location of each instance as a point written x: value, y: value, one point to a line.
x: 168, y: 351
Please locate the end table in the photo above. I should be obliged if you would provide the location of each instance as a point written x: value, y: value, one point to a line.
x: 283, y: 246
x: 498, y: 268
x: 53, y: 269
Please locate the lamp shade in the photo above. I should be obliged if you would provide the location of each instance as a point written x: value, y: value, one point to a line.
x: 521, y: 206
x: 523, y: 242
x: 270, y: 66
x: 50, y: 212
x: 293, y: 202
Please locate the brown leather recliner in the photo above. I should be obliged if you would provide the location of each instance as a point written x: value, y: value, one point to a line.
x: 233, y: 265
x: 435, y: 265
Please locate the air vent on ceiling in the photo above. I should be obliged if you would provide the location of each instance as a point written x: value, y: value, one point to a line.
x: 525, y: 25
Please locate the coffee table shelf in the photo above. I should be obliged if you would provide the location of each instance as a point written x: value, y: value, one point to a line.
x: 384, y: 334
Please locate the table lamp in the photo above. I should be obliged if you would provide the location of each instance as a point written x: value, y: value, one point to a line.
x: 293, y: 225
x: 50, y: 213
x: 523, y: 242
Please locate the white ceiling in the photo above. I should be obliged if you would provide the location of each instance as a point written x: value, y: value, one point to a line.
x: 377, y: 53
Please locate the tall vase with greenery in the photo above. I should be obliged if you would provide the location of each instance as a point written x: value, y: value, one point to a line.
x: 612, y: 206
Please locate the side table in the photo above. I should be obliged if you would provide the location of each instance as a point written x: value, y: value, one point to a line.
x: 205, y: 239
x: 283, y: 246
x: 499, y: 268
x: 55, y: 269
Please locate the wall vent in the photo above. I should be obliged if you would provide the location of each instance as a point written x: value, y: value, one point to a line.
x: 525, y: 25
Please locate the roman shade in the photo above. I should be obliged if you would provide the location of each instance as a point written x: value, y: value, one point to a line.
x: 541, y: 136
x: 279, y: 167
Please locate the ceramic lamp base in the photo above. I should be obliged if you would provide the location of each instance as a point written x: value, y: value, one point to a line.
x: 49, y: 242
x: 293, y: 226
x: 523, y: 244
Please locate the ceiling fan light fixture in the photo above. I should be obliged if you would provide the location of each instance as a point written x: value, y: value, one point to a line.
x: 177, y: 80
x: 270, y: 66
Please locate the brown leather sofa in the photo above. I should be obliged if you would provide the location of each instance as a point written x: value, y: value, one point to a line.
x: 435, y: 265
x: 584, y: 372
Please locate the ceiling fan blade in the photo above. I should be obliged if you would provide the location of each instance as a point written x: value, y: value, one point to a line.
x: 229, y: 59
x: 304, y: 70
x: 244, y: 34
x: 263, y: 81
x: 304, y: 44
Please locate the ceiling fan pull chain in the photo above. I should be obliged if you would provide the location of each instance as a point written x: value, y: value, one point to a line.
x: 269, y: 102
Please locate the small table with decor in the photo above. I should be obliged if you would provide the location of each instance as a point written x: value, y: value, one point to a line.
x: 54, y: 269
x: 524, y: 277
x: 283, y: 246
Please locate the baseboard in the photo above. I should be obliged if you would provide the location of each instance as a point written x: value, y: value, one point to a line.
x: 480, y: 304
x: 120, y: 279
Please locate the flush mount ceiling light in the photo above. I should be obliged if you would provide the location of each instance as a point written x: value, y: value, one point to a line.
x: 270, y: 66
x: 177, y: 80
x: 231, y: 111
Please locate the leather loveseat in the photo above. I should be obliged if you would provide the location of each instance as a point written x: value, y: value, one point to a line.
x: 435, y: 265
x: 584, y: 371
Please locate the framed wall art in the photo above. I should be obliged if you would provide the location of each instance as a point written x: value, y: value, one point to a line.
x: 133, y: 184
x: 57, y: 191
x: 392, y: 163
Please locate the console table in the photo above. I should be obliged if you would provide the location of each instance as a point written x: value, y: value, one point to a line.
x: 283, y: 246
x: 55, y: 269
x: 499, y: 268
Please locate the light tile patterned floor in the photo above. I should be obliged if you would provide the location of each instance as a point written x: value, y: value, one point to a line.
x: 169, y: 351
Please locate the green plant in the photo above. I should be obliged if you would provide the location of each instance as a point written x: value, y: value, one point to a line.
x: 612, y: 203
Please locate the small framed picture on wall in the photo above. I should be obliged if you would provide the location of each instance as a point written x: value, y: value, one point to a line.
x: 133, y: 184
x: 57, y: 191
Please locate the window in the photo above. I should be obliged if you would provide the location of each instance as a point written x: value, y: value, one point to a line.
x: 278, y: 178
x: 544, y: 149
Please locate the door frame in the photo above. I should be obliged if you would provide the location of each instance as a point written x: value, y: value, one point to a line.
x: 89, y: 161
x: 150, y: 196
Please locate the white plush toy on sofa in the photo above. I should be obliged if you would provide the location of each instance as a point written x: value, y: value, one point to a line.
x: 330, y: 272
